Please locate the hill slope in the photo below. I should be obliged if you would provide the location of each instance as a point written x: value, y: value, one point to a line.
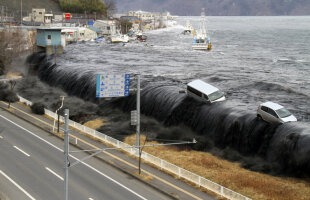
x: 14, y: 6
x: 219, y: 7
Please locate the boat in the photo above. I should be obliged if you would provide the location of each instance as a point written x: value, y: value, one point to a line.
x: 141, y: 37
x: 117, y: 37
x: 201, y: 39
x: 188, y: 29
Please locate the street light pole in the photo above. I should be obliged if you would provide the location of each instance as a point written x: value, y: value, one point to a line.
x: 66, y: 152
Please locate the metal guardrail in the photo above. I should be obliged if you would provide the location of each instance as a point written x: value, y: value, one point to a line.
x: 162, y: 164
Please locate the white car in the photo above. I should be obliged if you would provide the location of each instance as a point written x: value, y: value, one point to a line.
x: 273, y: 112
x: 203, y: 91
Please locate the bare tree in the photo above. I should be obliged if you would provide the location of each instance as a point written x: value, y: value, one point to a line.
x: 12, y: 43
x: 111, y: 7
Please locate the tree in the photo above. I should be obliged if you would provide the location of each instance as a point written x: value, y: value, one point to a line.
x: 12, y: 43
x: 111, y: 7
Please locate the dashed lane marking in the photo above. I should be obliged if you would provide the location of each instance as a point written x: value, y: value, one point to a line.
x: 21, y: 151
x: 18, y: 186
x: 48, y: 169
x: 121, y: 160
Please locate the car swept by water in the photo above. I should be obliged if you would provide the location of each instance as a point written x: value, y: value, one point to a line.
x: 273, y: 112
x: 203, y: 91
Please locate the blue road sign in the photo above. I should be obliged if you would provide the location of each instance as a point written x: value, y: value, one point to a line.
x: 112, y: 85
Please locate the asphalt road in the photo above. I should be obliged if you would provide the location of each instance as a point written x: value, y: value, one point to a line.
x: 32, y: 167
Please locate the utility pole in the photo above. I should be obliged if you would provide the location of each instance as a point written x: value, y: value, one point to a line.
x: 2, y: 15
x: 21, y: 12
x: 66, y: 152
x: 138, y: 113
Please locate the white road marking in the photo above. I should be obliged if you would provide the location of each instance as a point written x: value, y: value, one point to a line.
x: 21, y: 151
x: 18, y: 186
x: 90, y: 198
x: 48, y: 169
x: 87, y: 165
x: 1, y: 137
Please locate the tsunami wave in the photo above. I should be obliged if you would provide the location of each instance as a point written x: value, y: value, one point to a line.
x: 220, y: 128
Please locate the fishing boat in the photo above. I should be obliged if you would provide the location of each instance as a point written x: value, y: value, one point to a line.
x: 201, y: 39
x: 118, y: 37
x: 188, y: 29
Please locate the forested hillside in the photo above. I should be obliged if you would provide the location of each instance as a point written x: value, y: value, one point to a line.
x: 14, y: 7
x: 81, y: 6
x: 219, y: 7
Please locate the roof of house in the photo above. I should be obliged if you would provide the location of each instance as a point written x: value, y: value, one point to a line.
x: 95, y: 29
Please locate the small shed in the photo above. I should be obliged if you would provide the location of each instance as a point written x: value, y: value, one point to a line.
x: 50, y: 40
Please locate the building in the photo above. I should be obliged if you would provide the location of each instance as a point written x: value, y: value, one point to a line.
x: 70, y: 35
x: 97, y: 30
x: 150, y: 15
x: 86, y: 34
x: 77, y: 34
x: 132, y: 19
x: 39, y: 15
x: 151, y: 20
x: 50, y: 40
x: 106, y: 26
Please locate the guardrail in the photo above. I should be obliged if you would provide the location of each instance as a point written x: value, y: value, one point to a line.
x: 162, y: 164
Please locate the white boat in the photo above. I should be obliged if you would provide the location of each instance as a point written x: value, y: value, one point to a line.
x: 117, y: 37
x: 201, y: 39
x: 188, y: 29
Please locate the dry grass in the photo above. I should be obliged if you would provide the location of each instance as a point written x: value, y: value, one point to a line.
x: 143, y: 176
x: 95, y: 124
x: 251, y: 184
x: 15, y: 75
x: 24, y: 105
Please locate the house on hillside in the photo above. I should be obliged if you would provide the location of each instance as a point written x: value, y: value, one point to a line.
x: 39, y: 15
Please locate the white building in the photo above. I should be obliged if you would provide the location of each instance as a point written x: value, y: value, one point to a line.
x: 106, y: 26
x: 39, y: 15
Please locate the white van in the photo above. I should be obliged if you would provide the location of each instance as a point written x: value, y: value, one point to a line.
x: 203, y: 91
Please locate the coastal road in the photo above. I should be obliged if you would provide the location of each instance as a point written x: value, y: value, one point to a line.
x: 32, y: 162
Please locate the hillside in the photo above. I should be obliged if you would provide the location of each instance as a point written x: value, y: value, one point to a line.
x: 219, y: 7
x: 14, y: 6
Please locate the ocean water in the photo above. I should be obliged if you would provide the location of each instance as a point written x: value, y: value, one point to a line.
x: 253, y: 60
